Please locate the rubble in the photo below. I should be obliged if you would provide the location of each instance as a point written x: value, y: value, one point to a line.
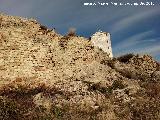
x: 44, y: 75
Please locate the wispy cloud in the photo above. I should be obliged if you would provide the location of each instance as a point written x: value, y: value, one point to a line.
x: 141, y: 43
x: 153, y: 48
x: 133, y: 19
x: 62, y: 14
x: 133, y: 40
x: 17, y: 7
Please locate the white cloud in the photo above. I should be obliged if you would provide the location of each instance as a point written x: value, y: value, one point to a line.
x: 133, y: 19
x: 133, y: 40
x: 139, y: 44
x: 152, y: 49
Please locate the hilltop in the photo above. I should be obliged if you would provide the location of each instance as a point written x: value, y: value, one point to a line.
x: 47, y: 76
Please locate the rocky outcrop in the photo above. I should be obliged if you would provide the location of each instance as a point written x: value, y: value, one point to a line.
x: 44, y: 75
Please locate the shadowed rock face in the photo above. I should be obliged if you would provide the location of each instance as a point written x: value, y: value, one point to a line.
x: 44, y: 75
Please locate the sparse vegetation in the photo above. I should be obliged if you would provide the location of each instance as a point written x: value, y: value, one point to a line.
x: 58, y: 112
x: 71, y: 32
x: 117, y: 84
x: 125, y: 58
x: 54, y: 77
x: 9, y: 109
x: 0, y: 21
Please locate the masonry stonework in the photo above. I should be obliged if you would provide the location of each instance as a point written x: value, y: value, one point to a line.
x: 102, y: 40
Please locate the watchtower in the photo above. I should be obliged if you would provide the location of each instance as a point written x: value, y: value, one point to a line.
x: 102, y: 40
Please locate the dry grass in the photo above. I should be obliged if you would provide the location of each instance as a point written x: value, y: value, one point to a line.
x: 53, y: 77
x: 71, y: 32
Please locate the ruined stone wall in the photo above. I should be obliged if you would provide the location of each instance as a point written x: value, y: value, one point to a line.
x: 30, y: 50
x: 102, y: 40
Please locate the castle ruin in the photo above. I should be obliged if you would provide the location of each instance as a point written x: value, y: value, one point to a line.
x: 102, y: 40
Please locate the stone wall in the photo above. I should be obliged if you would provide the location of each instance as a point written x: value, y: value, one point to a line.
x: 102, y: 40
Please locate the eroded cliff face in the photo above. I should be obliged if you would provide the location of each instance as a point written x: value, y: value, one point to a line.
x: 44, y: 75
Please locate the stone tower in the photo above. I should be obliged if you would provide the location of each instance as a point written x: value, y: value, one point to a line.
x: 102, y: 40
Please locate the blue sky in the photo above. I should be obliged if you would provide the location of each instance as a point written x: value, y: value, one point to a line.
x: 134, y: 29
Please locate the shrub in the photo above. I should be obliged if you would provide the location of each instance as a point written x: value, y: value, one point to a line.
x: 117, y: 84
x: 58, y: 112
x: 72, y: 32
x: 41, y: 113
x: 110, y: 63
x: 125, y: 58
x: 0, y: 21
x: 9, y: 109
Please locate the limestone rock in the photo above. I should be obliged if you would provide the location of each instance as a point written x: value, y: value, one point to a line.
x: 44, y: 75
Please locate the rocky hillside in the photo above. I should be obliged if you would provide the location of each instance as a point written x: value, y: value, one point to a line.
x: 47, y: 76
